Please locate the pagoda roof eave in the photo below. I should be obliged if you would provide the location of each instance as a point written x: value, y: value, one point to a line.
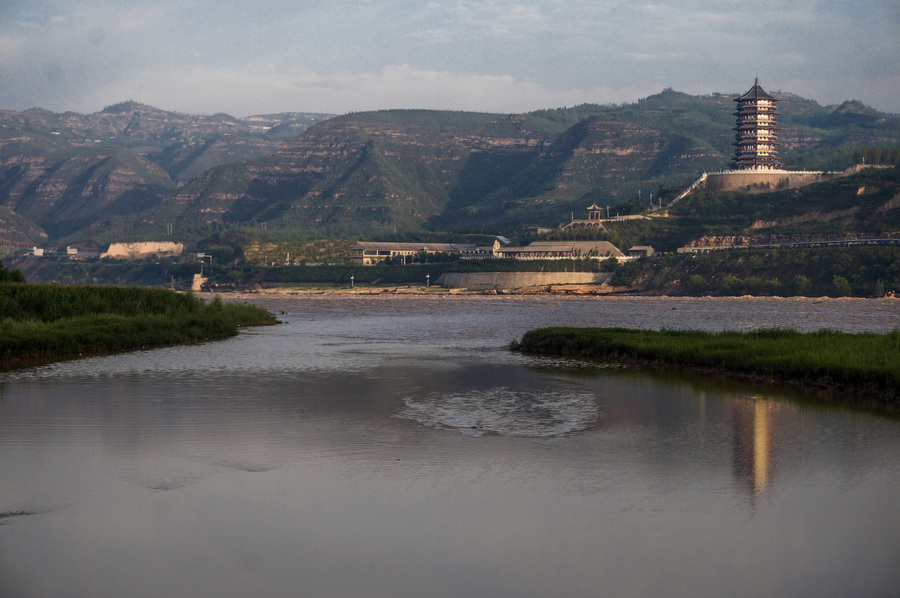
x: 756, y: 93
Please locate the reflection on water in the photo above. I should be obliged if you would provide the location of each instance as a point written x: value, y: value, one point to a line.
x: 753, y: 443
x: 393, y: 447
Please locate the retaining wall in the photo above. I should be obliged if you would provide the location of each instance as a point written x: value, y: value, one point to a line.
x: 517, y: 280
x: 754, y: 181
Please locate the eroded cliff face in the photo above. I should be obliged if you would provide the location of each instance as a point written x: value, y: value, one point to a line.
x: 17, y: 231
x: 131, y: 122
x: 396, y: 169
x: 362, y: 168
x: 132, y: 167
x: 64, y: 190
x: 61, y: 172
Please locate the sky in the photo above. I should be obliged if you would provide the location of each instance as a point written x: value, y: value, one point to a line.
x: 339, y: 56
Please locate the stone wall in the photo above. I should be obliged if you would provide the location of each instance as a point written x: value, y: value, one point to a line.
x: 517, y: 280
x: 753, y: 181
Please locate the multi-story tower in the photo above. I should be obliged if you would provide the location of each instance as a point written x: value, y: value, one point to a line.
x: 756, y: 132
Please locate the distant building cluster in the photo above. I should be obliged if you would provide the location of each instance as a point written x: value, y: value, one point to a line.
x: 122, y: 251
x: 73, y: 253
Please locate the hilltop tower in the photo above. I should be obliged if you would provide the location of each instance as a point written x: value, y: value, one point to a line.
x: 755, y: 133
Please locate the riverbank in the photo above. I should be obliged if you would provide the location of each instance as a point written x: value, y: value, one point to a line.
x: 555, y: 289
x: 865, y: 366
x: 50, y: 322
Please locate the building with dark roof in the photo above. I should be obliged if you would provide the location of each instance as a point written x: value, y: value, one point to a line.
x: 366, y: 253
x: 756, y: 131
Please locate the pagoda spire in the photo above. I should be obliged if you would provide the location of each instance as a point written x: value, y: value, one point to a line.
x: 756, y: 131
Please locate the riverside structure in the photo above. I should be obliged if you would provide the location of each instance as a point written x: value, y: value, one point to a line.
x: 365, y: 253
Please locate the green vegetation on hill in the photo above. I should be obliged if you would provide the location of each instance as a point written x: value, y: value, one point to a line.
x: 861, y: 203
x: 866, y: 364
x: 53, y: 321
x: 386, y: 172
x: 834, y: 271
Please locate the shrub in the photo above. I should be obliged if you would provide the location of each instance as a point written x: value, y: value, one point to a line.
x: 731, y: 285
x: 696, y: 284
x: 800, y: 286
x: 627, y: 273
x: 10, y: 274
x: 840, y: 287
x: 753, y: 286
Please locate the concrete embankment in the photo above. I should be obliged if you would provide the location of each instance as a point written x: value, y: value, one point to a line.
x: 516, y: 280
x: 754, y: 181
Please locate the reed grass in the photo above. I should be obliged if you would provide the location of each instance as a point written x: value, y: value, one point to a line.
x: 866, y: 363
x: 57, y: 321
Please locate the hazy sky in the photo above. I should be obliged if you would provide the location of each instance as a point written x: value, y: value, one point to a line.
x: 261, y: 56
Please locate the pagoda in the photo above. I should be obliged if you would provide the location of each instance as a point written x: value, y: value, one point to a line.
x: 755, y: 133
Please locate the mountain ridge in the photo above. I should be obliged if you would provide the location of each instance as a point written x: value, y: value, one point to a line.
x: 376, y: 172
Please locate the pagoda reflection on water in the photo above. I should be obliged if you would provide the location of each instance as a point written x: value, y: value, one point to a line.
x: 754, y: 443
x: 755, y: 133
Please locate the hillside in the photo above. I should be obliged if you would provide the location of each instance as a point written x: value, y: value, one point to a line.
x: 867, y: 203
x: 125, y: 174
x: 59, y: 173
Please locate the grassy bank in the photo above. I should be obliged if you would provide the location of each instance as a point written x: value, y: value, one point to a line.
x: 864, y: 364
x: 54, y: 321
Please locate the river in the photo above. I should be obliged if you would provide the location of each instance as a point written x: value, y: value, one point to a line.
x: 392, y: 446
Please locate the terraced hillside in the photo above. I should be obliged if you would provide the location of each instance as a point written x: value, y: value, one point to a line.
x: 382, y: 173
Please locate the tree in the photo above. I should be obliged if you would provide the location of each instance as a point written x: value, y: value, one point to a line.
x: 696, y: 284
x: 731, y: 286
x: 800, y: 286
x: 10, y: 274
x: 840, y: 287
x: 609, y: 265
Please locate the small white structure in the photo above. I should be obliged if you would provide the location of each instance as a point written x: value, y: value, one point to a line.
x: 640, y: 251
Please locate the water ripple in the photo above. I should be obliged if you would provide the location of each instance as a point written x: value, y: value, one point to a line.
x: 526, y: 413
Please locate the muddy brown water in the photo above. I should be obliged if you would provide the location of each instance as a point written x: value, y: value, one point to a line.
x: 392, y: 446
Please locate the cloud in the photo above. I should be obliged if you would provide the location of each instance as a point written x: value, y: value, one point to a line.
x: 242, y: 92
x: 10, y: 46
x: 490, y: 55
